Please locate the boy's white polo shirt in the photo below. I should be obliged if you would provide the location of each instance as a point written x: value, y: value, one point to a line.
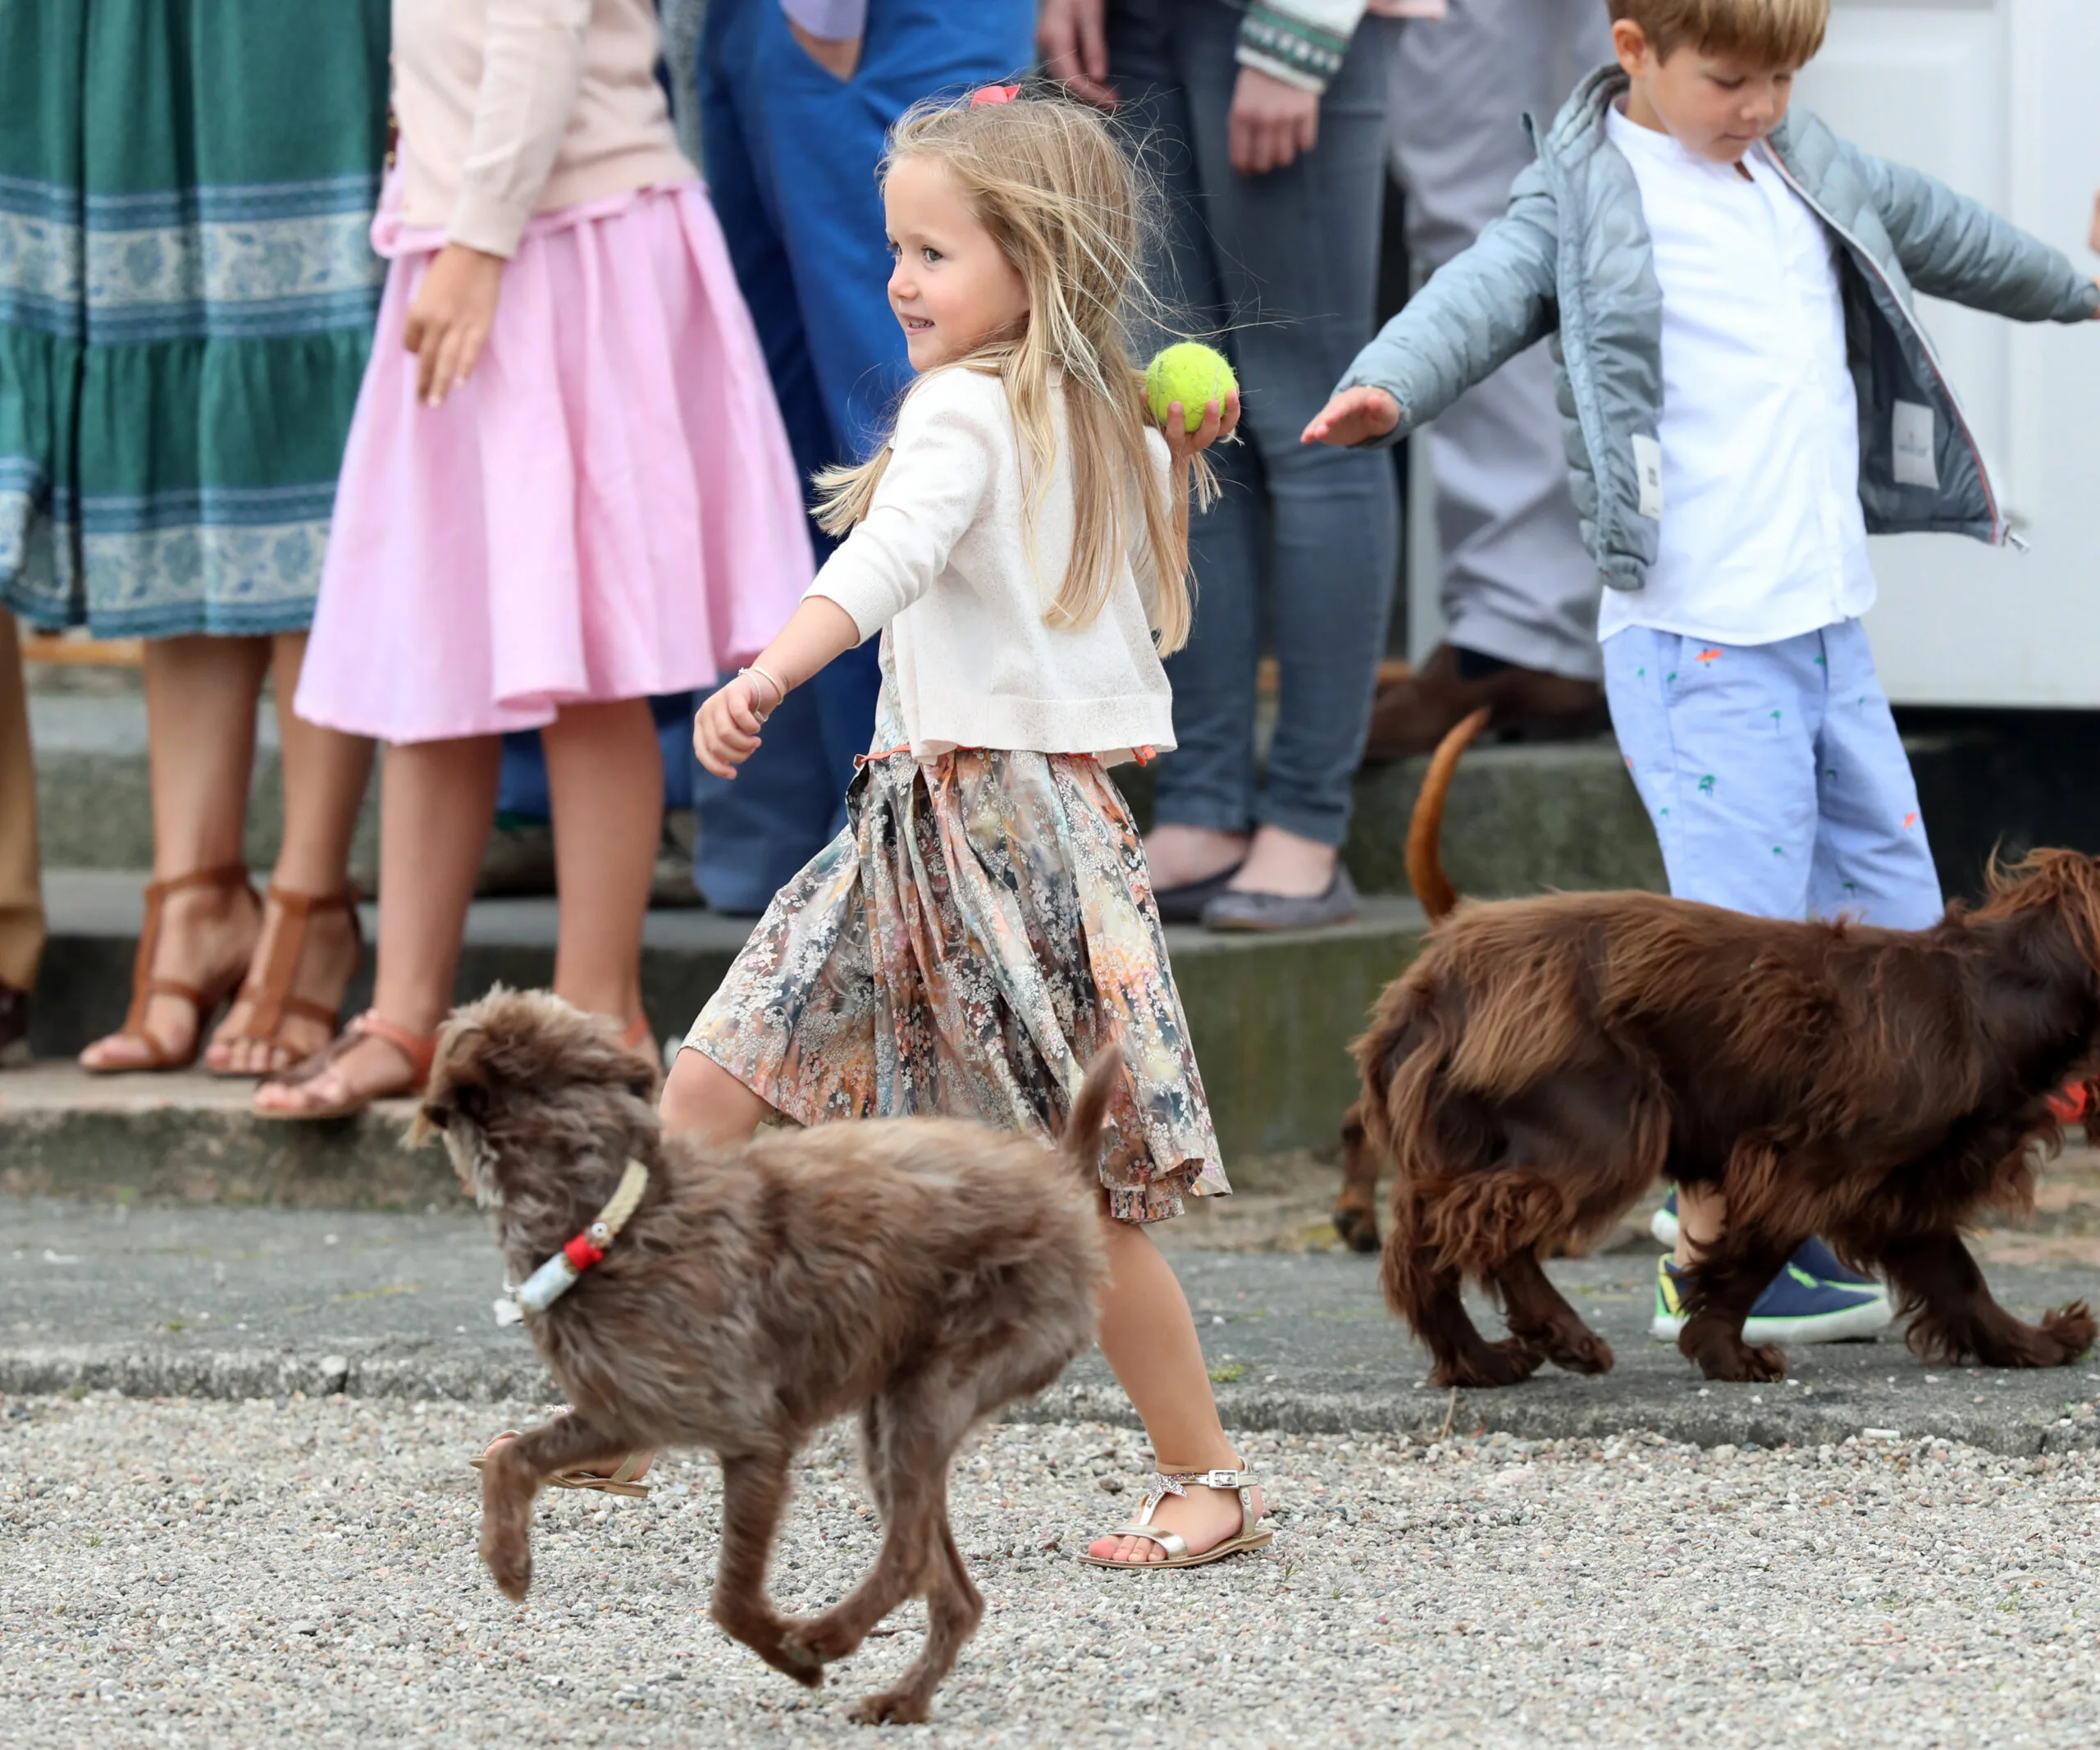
x: 1762, y: 534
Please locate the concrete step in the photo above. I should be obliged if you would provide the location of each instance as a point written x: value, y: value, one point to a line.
x: 93, y: 795
x: 1520, y: 818
x: 1270, y: 1018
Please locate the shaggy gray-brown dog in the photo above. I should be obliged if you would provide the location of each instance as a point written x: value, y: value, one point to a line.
x: 924, y: 1272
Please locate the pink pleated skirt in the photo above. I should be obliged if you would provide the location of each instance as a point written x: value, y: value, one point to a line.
x: 607, y: 510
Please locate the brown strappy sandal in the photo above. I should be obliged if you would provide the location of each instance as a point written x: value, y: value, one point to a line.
x: 205, y: 998
x: 417, y: 1048
x: 268, y: 990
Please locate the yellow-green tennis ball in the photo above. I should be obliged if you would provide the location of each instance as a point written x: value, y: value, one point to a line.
x: 1191, y: 373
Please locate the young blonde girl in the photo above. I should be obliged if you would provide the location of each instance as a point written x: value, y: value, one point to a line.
x: 985, y: 923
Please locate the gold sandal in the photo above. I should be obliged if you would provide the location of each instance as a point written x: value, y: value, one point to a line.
x: 625, y: 1479
x: 1252, y: 1534
x: 267, y: 989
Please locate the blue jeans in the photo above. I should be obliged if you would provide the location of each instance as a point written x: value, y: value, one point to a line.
x: 1774, y: 775
x: 790, y: 154
x: 1305, y: 536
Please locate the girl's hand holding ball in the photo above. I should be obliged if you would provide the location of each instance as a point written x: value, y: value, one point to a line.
x: 1194, y: 395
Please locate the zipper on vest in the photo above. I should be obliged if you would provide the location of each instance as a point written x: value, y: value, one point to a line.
x: 2000, y: 530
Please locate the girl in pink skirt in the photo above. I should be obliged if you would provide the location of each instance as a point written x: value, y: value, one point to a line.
x: 566, y: 488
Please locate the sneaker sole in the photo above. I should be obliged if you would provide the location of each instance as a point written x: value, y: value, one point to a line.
x: 1866, y: 1319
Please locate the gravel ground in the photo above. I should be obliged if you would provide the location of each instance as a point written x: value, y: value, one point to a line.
x: 304, y: 1572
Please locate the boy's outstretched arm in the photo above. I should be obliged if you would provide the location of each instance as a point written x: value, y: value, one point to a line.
x: 1478, y: 312
x: 1956, y: 247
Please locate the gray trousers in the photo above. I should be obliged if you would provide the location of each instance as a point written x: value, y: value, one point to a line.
x: 1516, y: 582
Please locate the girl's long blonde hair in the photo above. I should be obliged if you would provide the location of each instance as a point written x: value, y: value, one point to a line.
x: 1072, y: 212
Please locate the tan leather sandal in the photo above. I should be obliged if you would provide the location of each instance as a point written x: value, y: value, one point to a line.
x: 1253, y: 1533
x: 267, y: 989
x: 625, y: 1479
x: 205, y: 998
x: 418, y: 1048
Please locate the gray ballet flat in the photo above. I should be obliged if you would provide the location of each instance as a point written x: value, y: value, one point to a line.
x: 1233, y: 910
x: 1185, y: 904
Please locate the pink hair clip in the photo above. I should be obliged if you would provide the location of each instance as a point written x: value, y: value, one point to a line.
x: 993, y: 94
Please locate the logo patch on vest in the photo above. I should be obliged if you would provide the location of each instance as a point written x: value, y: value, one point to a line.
x: 1648, y: 469
x: 1912, y: 435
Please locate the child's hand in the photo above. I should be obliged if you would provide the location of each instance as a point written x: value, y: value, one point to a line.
x: 449, y: 318
x: 1218, y: 422
x: 725, y: 729
x: 1352, y: 416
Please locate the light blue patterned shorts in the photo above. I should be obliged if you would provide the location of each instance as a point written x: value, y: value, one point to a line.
x: 1775, y: 774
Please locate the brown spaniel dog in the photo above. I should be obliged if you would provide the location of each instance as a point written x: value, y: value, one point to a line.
x: 1545, y: 1060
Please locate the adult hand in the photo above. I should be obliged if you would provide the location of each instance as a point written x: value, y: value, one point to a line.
x: 1352, y: 416
x: 840, y: 56
x: 1218, y: 422
x: 449, y: 318
x: 2092, y: 240
x: 1272, y: 121
x: 1072, y: 39
x: 725, y: 729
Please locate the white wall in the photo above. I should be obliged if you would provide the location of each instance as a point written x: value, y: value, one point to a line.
x: 1994, y: 97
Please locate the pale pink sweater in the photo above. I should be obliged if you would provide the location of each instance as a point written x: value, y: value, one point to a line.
x: 509, y: 107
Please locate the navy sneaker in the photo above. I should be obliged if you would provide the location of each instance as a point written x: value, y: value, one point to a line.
x: 1795, y: 1307
x: 1811, y: 1255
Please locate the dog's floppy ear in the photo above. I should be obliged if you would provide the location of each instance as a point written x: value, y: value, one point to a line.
x: 458, y: 1082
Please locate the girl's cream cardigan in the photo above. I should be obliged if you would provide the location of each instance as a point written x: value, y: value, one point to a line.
x: 943, y: 563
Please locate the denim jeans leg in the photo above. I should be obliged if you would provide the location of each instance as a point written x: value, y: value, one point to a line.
x: 1297, y: 252
x: 1208, y: 780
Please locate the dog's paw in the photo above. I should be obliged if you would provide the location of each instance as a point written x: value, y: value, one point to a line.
x: 1358, y: 1226
x: 814, y: 1642
x: 2073, y: 1327
x: 1509, y: 1363
x: 1744, y: 1364
x: 1588, y: 1353
x: 509, y: 1566
x: 891, y: 1707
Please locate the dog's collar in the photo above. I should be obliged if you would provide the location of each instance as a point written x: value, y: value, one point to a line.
x: 554, y: 1278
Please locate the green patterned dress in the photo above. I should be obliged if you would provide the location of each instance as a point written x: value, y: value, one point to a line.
x: 187, y: 292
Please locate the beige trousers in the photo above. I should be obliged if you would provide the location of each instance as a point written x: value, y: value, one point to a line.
x: 21, y: 898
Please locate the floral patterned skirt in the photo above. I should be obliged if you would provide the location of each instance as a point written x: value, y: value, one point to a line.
x: 981, y: 927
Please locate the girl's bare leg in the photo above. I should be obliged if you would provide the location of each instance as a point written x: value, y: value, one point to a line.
x: 325, y: 775
x: 200, y: 723
x: 1148, y: 1339
x: 606, y: 777
x: 436, y: 802
x: 1701, y: 1211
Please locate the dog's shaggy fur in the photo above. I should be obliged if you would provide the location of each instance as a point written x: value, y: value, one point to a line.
x: 1545, y: 1059
x: 922, y: 1271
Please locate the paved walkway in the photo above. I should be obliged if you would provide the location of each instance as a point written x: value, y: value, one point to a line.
x: 263, y: 1303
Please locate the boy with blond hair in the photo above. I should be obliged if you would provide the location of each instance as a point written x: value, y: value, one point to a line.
x: 1747, y: 395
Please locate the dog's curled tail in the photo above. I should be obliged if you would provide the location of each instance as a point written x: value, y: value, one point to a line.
x: 1426, y: 875
x: 1080, y: 1144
